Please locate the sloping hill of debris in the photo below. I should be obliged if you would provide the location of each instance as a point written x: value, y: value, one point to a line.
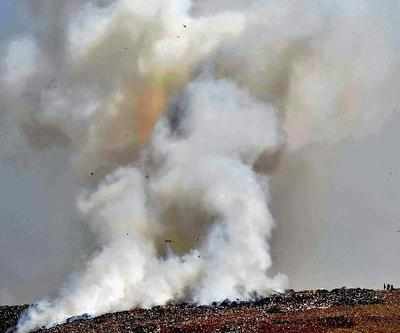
x: 9, y: 316
x: 339, y: 310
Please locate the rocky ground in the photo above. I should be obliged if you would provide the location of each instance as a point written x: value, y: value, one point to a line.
x: 340, y: 310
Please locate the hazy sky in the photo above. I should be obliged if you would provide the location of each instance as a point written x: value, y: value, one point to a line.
x: 8, y: 17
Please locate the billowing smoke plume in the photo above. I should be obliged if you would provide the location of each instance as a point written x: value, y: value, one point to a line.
x: 168, y: 117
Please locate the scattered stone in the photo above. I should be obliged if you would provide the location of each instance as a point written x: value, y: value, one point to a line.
x: 310, y: 311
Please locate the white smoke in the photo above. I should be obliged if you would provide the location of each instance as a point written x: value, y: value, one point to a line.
x: 173, y: 115
x: 222, y: 254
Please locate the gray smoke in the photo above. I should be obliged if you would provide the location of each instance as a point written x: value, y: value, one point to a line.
x: 148, y: 144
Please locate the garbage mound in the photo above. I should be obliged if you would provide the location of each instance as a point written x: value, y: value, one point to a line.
x: 303, y: 311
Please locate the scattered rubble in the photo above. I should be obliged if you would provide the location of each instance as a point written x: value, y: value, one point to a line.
x: 305, y: 311
x: 9, y: 316
x: 77, y: 318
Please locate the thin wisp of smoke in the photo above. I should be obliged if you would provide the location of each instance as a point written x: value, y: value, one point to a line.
x: 172, y: 115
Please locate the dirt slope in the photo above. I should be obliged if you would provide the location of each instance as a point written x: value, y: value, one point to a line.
x: 340, y: 310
